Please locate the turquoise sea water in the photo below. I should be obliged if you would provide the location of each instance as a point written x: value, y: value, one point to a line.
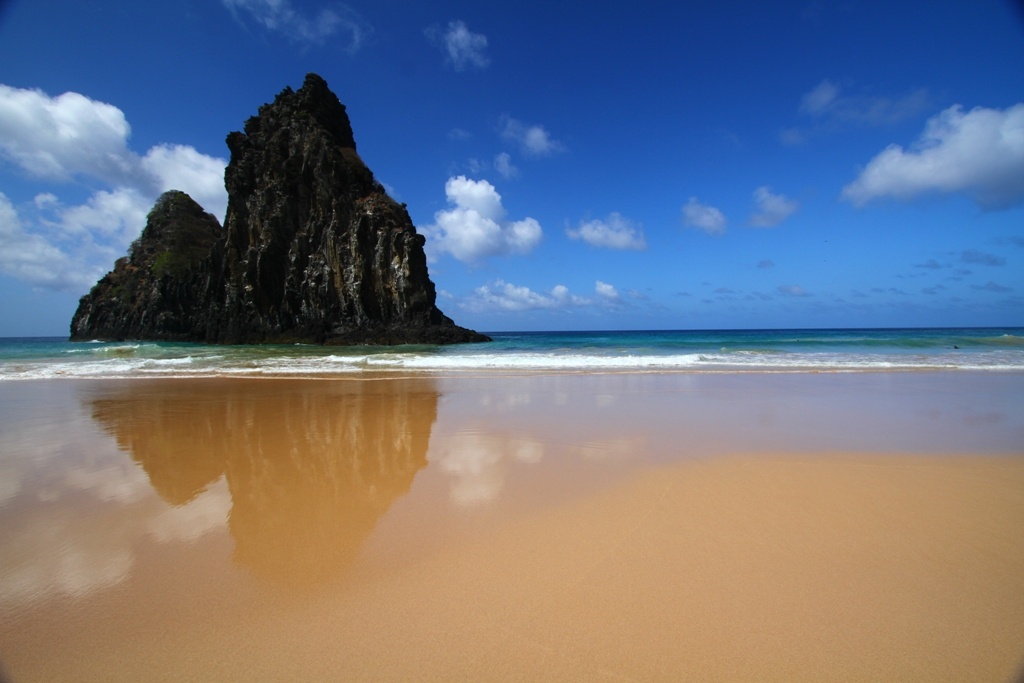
x: 847, y: 350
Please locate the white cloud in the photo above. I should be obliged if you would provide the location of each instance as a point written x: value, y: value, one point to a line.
x: 772, y: 208
x: 479, y: 196
x: 117, y: 214
x: 462, y: 48
x: 606, y: 291
x: 181, y: 167
x: 33, y: 259
x: 503, y: 165
x: 979, y: 153
x: 505, y: 296
x: 280, y: 16
x: 69, y: 138
x: 792, y: 290
x: 475, y: 228
x: 58, y: 137
x: 617, y: 232
x: 533, y: 140
x: 703, y: 217
x: 818, y: 100
x: 45, y: 200
x: 63, y: 137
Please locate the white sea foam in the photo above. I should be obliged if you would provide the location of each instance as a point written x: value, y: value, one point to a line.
x: 525, y: 353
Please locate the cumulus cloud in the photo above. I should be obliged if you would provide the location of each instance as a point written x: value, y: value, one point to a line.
x: 505, y: 296
x: 703, y: 217
x: 336, y: 21
x: 533, y: 140
x: 462, y: 48
x: 56, y: 138
x: 772, y: 208
x: 71, y: 138
x: 475, y: 227
x: 615, y: 232
x: 979, y: 153
x: 606, y: 291
x: 792, y: 290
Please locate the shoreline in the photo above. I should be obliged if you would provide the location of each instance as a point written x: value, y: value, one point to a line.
x: 507, y: 373
x: 729, y: 352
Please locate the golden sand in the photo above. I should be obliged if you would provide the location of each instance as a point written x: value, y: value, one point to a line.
x: 571, y: 528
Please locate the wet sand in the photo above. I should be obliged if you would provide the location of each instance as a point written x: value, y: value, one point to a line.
x: 585, y: 527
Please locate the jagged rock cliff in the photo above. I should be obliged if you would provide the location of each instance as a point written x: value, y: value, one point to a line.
x: 313, y: 249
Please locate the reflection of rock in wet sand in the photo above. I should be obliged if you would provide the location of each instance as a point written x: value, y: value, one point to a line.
x: 311, y: 466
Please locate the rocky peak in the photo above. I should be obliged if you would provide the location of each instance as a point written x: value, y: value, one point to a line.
x: 178, y: 235
x: 313, y: 249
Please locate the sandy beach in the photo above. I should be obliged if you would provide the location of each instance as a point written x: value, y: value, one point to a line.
x: 791, y: 526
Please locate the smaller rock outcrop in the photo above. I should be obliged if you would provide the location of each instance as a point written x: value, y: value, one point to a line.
x: 313, y: 249
x: 157, y: 291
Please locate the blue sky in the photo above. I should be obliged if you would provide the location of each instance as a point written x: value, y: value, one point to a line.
x: 607, y: 166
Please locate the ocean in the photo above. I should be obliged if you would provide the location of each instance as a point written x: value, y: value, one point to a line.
x: 684, y: 351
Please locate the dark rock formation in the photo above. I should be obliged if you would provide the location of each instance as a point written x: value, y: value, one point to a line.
x: 313, y: 249
x: 156, y: 291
